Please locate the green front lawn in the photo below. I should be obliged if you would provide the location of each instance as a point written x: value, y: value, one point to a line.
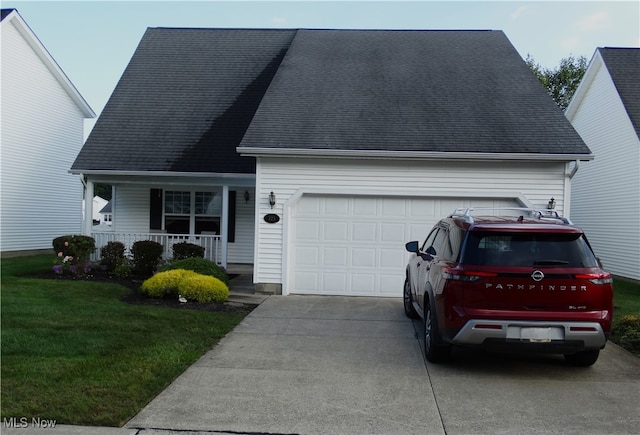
x: 73, y: 352
x: 626, y: 315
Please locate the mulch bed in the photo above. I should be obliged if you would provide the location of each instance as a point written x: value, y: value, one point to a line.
x: 135, y: 297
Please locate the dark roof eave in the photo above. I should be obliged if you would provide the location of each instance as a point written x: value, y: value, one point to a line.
x: 115, y: 172
x: 407, y: 155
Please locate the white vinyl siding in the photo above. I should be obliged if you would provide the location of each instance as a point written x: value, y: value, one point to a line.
x: 41, y: 135
x: 289, y: 179
x: 241, y: 250
x: 131, y: 209
x: 606, y: 191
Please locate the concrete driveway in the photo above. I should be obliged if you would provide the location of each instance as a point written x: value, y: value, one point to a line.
x: 345, y: 365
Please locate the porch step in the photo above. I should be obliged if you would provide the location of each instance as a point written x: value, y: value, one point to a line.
x: 239, y: 269
x: 242, y: 284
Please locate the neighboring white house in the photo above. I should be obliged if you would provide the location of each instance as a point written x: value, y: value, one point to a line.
x: 98, y: 204
x: 42, y: 123
x: 105, y: 214
x: 605, y: 111
x: 315, y: 155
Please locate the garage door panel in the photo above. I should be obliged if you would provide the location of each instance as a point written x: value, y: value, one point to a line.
x: 364, y: 231
x: 422, y: 209
x: 309, y: 207
x: 334, y: 283
x: 363, y: 257
x: 308, y: 256
x: 306, y: 230
x: 362, y: 283
x: 393, y: 232
x: 388, y: 285
x: 354, y: 245
x: 307, y: 282
x: 390, y: 258
x: 336, y: 206
x: 336, y: 231
x: 393, y: 207
x: 335, y: 256
x: 364, y: 207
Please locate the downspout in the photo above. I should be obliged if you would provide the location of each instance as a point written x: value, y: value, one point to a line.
x: 88, y: 207
x: 567, y: 196
x: 574, y: 170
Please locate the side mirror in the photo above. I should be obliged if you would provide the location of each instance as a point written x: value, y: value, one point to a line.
x: 412, y: 247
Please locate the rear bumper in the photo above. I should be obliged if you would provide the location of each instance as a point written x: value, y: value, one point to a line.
x: 538, y: 336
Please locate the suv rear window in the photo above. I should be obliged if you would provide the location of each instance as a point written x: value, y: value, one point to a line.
x: 527, y: 249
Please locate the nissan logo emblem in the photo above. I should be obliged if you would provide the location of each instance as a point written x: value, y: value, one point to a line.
x: 537, y: 275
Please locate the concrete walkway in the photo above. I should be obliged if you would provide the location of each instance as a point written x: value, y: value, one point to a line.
x: 305, y: 364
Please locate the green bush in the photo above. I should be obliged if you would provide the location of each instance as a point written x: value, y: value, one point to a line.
x: 123, y: 269
x: 165, y: 284
x: 201, y: 266
x: 77, y: 246
x: 203, y: 289
x: 146, y: 256
x: 112, y: 255
x: 187, y: 250
x: 626, y: 333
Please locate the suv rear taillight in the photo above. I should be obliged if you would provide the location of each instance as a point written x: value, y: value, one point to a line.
x: 466, y: 275
x: 596, y: 278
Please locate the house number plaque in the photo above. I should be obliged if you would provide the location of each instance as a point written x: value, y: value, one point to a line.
x: 271, y: 218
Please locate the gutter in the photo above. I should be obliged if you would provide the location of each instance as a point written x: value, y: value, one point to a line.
x: 159, y: 173
x: 405, y: 155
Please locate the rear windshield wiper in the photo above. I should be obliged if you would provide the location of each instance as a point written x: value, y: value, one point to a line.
x: 550, y: 262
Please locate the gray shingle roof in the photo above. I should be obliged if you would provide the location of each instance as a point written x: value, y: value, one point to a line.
x: 188, y: 98
x: 623, y: 65
x: 184, y: 101
x: 434, y: 91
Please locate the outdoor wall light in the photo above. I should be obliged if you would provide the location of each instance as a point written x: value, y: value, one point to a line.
x: 272, y: 199
x: 246, y: 196
x: 551, y: 204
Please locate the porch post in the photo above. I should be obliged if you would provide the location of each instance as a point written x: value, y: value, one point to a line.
x: 224, y: 226
x: 88, y: 208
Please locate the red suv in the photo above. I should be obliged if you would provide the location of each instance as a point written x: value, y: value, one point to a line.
x: 526, y: 280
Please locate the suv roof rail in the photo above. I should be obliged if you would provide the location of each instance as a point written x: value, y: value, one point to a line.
x: 465, y: 213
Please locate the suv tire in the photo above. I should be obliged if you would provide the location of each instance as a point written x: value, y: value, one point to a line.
x: 582, y: 359
x: 409, y: 310
x: 434, y: 350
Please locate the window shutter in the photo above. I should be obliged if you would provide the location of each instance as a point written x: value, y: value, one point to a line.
x: 231, y: 233
x: 155, y: 209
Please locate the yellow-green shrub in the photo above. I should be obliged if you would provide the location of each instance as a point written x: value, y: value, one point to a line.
x: 165, y: 283
x: 203, y: 288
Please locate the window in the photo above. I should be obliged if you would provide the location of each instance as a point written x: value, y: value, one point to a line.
x: 192, y: 212
x: 528, y: 249
x: 187, y: 212
x: 441, y: 244
x: 429, y: 240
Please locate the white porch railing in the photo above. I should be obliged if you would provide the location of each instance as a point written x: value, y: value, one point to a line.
x: 210, y: 242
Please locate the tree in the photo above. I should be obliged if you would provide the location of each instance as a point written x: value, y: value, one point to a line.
x: 562, y: 82
x: 102, y: 190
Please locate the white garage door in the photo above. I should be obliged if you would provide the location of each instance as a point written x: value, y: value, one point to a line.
x: 354, y: 245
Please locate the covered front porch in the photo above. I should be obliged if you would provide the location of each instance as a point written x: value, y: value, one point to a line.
x: 213, y: 211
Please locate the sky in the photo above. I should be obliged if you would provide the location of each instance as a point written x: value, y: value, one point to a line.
x: 93, y: 41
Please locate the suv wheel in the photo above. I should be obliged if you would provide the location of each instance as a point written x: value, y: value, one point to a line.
x: 408, y: 301
x: 434, y: 351
x: 582, y: 359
